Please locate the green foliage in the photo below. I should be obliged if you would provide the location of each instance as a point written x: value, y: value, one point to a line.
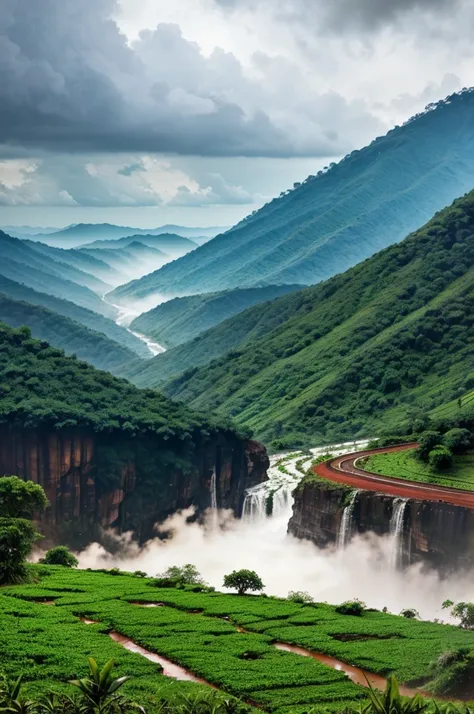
x: 465, y: 612
x: 300, y: 596
x: 100, y: 687
x: 440, y: 458
x: 60, y: 555
x: 351, y: 607
x: 243, y: 581
x: 390, y: 701
x: 453, y: 671
x: 410, y: 614
x: 20, y: 498
x: 182, y: 575
x: 361, y: 354
x: 458, y: 440
x: 406, y: 465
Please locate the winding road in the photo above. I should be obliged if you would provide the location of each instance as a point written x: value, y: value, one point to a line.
x: 345, y: 470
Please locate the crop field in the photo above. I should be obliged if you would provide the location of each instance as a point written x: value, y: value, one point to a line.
x: 404, y: 464
x: 202, y: 632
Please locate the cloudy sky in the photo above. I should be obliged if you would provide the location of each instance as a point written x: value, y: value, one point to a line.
x: 145, y: 112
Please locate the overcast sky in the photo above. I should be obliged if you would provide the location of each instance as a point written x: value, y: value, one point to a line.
x: 145, y: 112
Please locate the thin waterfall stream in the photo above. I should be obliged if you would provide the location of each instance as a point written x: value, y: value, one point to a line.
x: 345, y: 528
x: 396, y: 532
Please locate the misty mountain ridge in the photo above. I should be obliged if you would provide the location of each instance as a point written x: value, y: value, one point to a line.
x: 371, y: 199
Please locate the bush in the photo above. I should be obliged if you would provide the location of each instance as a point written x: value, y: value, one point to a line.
x: 60, y: 556
x: 458, y: 440
x: 300, y: 596
x: 180, y: 575
x: 410, y: 614
x: 352, y: 607
x: 427, y: 442
x: 440, y: 458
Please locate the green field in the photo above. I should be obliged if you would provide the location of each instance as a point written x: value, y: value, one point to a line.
x: 49, y: 643
x: 404, y: 464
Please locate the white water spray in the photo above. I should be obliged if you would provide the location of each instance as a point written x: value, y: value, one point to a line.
x: 214, y: 491
x: 345, y: 527
x: 396, y: 532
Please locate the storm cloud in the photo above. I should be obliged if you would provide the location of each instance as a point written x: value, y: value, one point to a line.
x: 72, y: 82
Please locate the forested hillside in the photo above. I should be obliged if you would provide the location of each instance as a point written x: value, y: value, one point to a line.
x: 360, y: 353
x: 172, y: 245
x: 20, y: 263
x: 85, y: 317
x: 182, y: 319
x: 87, y: 263
x: 371, y: 199
x: 64, y: 333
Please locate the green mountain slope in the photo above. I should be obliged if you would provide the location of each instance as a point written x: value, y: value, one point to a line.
x: 88, y: 318
x: 371, y: 199
x: 76, y: 258
x: 362, y: 352
x: 40, y: 386
x: 73, y: 338
x: 20, y: 263
x: 182, y: 319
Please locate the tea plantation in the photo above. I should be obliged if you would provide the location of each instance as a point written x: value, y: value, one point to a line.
x: 43, y: 638
x: 404, y: 464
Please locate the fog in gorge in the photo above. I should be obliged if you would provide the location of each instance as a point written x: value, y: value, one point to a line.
x: 363, y: 569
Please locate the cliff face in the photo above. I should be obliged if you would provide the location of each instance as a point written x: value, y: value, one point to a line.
x: 95, y: 481
x: 433, y: 533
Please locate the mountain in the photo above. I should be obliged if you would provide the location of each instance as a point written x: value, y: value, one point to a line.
x: 87, y: 263
x: 360, y: 354
x: 26, y: 231
x: 88, y: 318
x: 369, y: 200
x: 75, y: 235
x: 173, y: 245
x: 21, y: 252
x: 182, y: 319
x: 107, y: 453
x: 73, y: 338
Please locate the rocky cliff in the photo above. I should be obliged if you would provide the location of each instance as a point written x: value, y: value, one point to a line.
x: 433, y: 533
x: 94, y: 481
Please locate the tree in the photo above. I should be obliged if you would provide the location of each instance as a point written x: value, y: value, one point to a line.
x: 300, y: 596
x: 17, y: 535
x: 464, y: 611
x: 458, y: 440
x: 410, y: 614
x: 60, y: 556
x: 20, y: 498
x: 183, y: 575
x: 427, y: 441
x: 440, y: 458
x: 243, y: 580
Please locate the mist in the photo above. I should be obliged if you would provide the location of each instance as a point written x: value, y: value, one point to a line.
x: 223, y: 543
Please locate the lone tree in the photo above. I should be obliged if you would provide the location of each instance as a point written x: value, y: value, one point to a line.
x: 243, y: 580
x: 17, y: 535
x: 60, y: 556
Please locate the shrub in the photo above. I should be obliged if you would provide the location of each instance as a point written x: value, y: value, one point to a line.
x: 300, y: 596
x: 440, y: 458
x: 178, y: 575
x: 457, y: 440
x: 60, y: 556
x: 352, y: 607
x: 427, y: 442
x: 243, y: 580
x: 410, y: 614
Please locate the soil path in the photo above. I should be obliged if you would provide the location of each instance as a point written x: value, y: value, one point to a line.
x: 345, y: 470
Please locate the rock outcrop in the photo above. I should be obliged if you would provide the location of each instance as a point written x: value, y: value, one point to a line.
x: 436, y: 534
x: 96, y: 481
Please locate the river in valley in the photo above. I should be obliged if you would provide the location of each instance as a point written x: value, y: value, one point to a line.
x: 125, y: 316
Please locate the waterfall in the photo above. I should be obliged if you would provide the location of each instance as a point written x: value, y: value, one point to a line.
x: 255, y: 503
x: 396, y: 531
x: 345, y: 528
x: 214, y: 491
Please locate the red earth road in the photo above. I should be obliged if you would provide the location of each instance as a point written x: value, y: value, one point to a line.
x: 344, y: 469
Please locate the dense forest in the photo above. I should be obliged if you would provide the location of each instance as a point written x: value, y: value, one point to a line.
x: 66, y: 334
x: 371, y: 199
x: 182, y: 319
x: 85, y: 317
x: 360, y: 353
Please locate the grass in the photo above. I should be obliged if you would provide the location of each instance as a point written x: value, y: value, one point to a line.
x: 47, y: 643
x: 405, y: 465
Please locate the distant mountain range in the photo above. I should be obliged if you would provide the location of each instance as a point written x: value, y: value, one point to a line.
x: 21, y: 263
x: 75, y: 235
x: 369, y: 200
x: 360, y: 354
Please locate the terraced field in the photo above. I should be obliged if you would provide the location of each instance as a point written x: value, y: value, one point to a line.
x: 404, y: 465
x: 226, y: 640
